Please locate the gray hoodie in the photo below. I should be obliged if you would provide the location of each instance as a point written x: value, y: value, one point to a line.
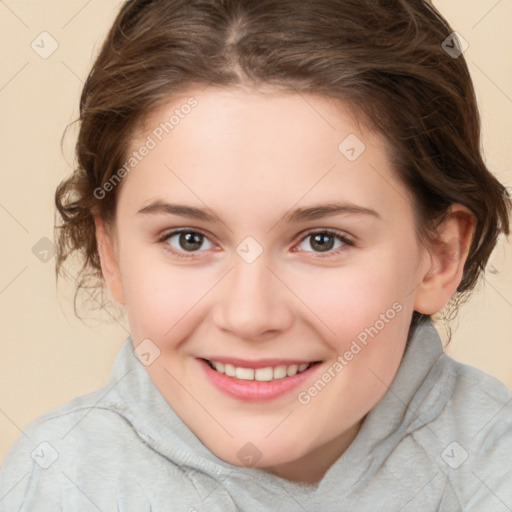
x: 439, y: 440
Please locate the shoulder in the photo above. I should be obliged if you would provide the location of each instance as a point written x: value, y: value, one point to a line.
x: 77, y: 453
x: 47, y: 443
x: 479, y: 405
x: 469, y: 441
x: 69, y: 422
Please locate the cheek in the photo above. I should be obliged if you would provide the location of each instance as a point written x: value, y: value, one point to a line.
x: 346, y: 300
x: 368, y: 321
x: 159, y: 295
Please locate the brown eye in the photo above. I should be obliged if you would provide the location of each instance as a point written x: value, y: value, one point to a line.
x: 185, y: 241
x: 190, y: 241
x: 324, y: 242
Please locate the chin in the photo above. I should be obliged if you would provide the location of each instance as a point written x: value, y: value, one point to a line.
x: 259, y: 453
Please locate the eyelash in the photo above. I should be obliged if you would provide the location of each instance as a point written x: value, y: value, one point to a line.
x: 342, y: 238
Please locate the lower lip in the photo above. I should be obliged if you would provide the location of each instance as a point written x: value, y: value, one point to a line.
x: 253, y: 390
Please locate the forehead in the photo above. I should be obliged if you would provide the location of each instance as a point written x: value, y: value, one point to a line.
x: 245, y: 145
x: 256, y: 110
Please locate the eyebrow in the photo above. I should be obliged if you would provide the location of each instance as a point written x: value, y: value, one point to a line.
x: 300, y: 214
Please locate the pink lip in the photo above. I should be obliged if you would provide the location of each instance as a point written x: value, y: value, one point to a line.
x: 252, y: 390
x: 260, y: 363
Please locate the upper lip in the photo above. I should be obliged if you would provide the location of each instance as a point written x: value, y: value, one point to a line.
x: 260, y: 363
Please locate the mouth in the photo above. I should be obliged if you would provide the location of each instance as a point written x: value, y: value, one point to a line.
x: 256, y: 381
x: 265, y: 374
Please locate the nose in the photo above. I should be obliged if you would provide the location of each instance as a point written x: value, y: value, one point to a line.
x: 255, y: 303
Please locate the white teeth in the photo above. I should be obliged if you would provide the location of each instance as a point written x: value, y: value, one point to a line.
x: 244, y: 373
x: 260, y: 374
x: 292, y: 369
x: 229, y: 370
x: 264, y: 374
x: 279, y: 372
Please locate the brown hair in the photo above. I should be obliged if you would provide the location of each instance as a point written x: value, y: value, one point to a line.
x: 386, y: 58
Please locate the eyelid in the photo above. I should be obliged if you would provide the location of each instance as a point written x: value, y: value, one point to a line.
x: 174, y: 231
x: 343, y: 235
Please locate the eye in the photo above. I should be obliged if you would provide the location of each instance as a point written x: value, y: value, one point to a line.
x: 180, y: 242
x: 183, y: 241
x: 324, y: 241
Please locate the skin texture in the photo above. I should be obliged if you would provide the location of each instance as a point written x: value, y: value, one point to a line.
x: 250, y: 156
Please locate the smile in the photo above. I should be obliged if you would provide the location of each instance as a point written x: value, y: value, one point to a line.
x: 256, y: 381
x: 265, y: 374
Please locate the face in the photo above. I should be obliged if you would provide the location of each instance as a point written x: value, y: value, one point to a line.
x: 272, y: 259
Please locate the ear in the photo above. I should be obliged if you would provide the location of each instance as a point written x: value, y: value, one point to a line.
x: 448, y: 255
x: 108, y: 258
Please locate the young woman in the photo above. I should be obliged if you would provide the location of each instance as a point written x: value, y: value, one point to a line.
x: 280, y: 194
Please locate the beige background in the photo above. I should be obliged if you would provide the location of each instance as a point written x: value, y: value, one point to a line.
x: 47, y: 355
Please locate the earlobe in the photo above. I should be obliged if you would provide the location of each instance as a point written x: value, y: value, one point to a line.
x: 108, y: 259
x: 448, y: 255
